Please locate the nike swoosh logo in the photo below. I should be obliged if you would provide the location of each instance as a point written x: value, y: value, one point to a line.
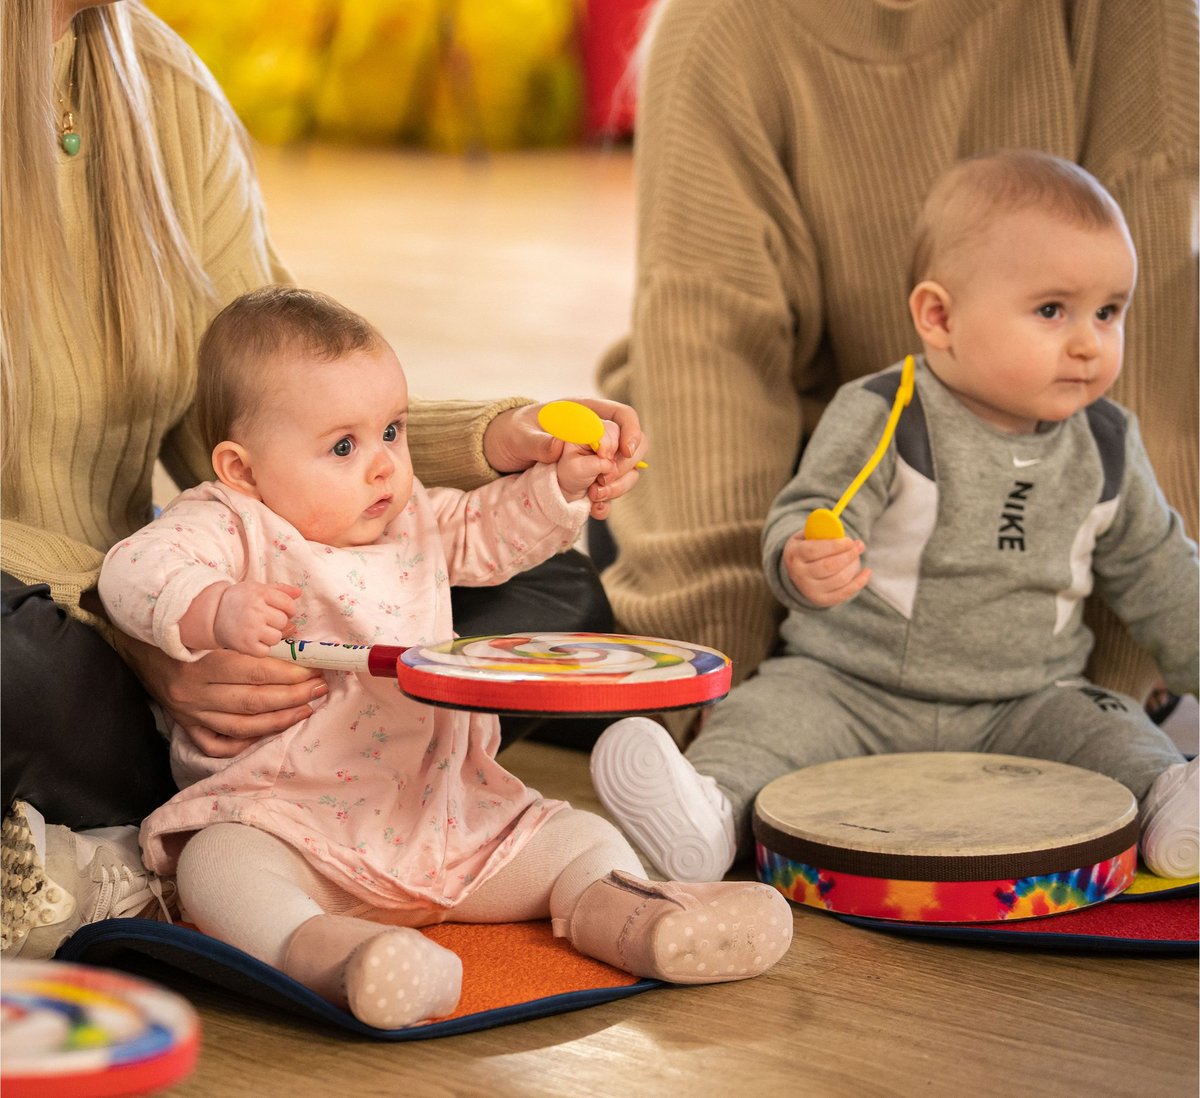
x: 1024, y: 463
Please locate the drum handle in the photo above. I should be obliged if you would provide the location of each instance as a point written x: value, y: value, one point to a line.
x: 376, y: 659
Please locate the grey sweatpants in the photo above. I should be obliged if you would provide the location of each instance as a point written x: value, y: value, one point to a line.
x: 797, y: 712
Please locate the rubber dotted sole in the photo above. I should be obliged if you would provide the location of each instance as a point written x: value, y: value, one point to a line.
x: 400, y: 977
x: 24, y: 886
x: 730, y: 938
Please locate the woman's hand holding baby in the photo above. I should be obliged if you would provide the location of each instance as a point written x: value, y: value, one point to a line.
x: 514, y: 440
x: 826, y: 572
x: 246, y: 617
x: 579, y: 468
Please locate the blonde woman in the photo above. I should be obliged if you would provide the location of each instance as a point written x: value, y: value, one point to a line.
x: 131, y: 215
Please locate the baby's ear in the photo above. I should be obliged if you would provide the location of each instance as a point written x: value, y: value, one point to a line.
x: 231, y: 463
x: 929, y: 305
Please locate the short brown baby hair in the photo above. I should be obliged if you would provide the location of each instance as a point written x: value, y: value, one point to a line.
x: 962, y: 201
x: 256, y: 328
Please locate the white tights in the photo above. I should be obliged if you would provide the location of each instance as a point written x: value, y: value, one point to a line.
x: 252, y: 890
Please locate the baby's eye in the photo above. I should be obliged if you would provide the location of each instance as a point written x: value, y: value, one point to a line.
x: 1108, y: 312
x: 344, y: 447
x: 390, y: 433
x: 1050, y: 310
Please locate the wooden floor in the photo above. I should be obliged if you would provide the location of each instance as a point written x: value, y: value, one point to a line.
x: 848, y: 1012
x: 511, y: 276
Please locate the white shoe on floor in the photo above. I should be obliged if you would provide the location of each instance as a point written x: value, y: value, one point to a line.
x: 54, y: 880
x: 1171, y: 822
x: 678, y: 818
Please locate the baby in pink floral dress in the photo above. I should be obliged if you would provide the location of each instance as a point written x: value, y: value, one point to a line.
x: 321, y: 849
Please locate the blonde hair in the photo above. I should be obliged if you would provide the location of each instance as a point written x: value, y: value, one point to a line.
x: 150, y: 279
x: 253, y: 331
x: 963, y: 201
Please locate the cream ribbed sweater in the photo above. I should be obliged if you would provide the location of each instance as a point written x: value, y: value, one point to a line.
x: 83, y: 480
x: 783, y: 149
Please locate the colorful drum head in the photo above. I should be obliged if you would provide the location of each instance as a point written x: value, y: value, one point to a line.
x: 943, y: 836
x: 72, y: 1031
x: 599, y: 674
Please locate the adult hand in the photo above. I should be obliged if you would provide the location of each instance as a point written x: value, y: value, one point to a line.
x: 225, y: 700
x: 514, y: 441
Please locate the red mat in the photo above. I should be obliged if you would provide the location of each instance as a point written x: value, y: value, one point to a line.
x: 1156, y: 918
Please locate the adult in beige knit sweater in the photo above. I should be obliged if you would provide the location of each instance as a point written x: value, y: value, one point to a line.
x: 783, y: 150
x: 131, y: 215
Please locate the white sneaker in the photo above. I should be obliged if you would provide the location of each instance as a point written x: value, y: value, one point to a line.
x: 54, y: 880
x: 679, y: 818
x: 1171, y: 822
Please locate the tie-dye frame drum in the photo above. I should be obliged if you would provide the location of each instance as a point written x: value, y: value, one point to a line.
x: 952, y: 837
x: 552, y: 674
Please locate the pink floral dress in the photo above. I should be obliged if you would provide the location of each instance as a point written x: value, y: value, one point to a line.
x: 402, y: 804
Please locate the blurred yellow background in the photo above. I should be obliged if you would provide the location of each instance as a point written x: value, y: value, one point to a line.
x: 450, y: 75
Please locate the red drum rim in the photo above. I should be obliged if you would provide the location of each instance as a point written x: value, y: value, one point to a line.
x: 565, y: 673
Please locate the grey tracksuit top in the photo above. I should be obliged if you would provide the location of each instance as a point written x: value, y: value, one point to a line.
x: 983, y: 546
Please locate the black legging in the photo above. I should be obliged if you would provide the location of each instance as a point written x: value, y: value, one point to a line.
x: 79, y: 741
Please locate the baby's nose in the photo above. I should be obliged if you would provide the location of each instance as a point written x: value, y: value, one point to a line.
x: 1084, y: 340
x: 382, y: 465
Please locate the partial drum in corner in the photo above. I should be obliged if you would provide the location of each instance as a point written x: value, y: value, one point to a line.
x: 946, y: 837
x: 77, y: 1031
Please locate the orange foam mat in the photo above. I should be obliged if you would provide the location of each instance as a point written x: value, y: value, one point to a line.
x: 511, y: 972
x: 505, y: 964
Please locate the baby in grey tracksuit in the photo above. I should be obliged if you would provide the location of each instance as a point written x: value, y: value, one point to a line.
x: 950, y: 616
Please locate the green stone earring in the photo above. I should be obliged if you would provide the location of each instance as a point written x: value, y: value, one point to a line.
x: 68, y: 138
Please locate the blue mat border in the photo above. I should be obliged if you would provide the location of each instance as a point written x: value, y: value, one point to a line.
x: 105, y: 942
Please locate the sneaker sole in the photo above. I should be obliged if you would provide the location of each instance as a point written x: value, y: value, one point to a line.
x: 22, y: 880
x: 632, y: 771
x: 1180, y: 860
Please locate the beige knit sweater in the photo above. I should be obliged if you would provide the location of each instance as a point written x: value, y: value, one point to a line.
x: 84, y: 476
x: 783, y: 149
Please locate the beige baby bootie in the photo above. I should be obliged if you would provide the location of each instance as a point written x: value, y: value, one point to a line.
x: 681, y: 933
x: 387, y: 977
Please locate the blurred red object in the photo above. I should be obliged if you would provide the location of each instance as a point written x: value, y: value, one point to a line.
x: 609, y: 34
